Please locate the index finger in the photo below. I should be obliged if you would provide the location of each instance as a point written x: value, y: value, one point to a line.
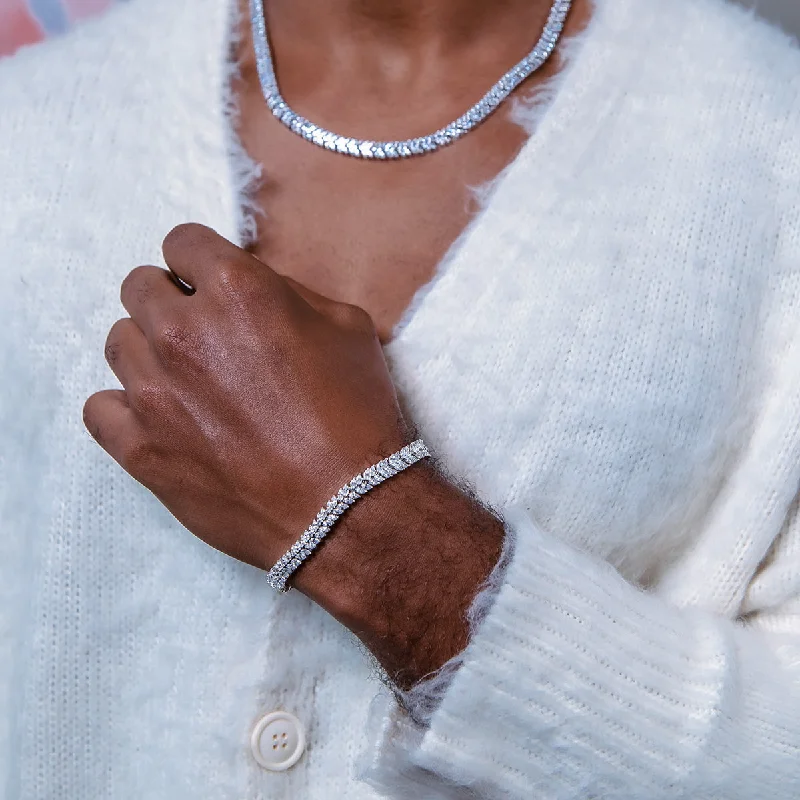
x: 194, y: 252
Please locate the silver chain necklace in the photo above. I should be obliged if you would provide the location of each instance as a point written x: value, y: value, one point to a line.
x: 364, y: 148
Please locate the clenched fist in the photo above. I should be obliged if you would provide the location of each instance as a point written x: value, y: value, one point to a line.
x: 247, y: 401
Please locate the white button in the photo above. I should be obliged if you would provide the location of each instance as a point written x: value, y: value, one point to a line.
x: 278, y: 741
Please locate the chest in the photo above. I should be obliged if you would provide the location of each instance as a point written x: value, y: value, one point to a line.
x: 371, y: 232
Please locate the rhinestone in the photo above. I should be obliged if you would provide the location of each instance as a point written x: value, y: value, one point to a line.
x: 287, y: 564
x: 366, y: 149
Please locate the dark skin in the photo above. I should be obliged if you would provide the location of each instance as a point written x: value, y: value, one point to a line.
x: 246, y: 404
x: 371, y: 233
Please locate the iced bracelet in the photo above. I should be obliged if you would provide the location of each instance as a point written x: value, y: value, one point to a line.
x: 337, y: 505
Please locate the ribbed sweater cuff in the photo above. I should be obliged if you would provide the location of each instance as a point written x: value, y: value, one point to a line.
x: 576, y: 685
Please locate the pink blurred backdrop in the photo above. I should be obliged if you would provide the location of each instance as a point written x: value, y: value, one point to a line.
x: 28, y: 21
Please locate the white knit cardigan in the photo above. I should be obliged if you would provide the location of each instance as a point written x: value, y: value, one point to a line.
x: 610, y: 354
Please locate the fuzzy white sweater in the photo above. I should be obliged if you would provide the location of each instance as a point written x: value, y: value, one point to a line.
x: 610, y: 355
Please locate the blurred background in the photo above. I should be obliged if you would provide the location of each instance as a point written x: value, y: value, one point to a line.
x: 28, y: 21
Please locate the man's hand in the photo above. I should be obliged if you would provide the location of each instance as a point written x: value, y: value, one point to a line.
x: 246, y: 404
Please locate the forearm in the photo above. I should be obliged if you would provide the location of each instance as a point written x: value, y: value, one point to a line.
x: 402, y: 567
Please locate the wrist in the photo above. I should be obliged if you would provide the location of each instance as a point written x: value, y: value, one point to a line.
x: 359, y: 551
x: 402, y: 567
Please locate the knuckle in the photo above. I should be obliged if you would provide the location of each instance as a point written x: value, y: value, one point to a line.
x: 90, y: 419
x: 136, y: 285
x: 137, y: 456
x: 235, y: 282
x: 112, y: 352
x: 184, y: 234
x: 148, y: 398
x: 170, y: 339
x: 113, y: 344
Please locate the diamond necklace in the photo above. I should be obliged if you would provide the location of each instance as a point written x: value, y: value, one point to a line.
x: 365, y: 148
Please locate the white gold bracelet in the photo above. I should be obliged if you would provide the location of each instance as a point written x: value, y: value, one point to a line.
x: 371, y: 477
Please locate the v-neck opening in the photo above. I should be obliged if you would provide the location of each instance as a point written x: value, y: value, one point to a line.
x: 554, y: 101
x: 545, y: 159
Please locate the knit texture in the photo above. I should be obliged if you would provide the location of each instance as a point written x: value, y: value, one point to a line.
x: 610, y: 355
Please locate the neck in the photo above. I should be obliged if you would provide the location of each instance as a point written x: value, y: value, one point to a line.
x: 437, y: 54
x: 408, y: 24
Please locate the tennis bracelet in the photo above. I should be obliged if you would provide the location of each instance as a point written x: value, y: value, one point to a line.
x: 371, y: 477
